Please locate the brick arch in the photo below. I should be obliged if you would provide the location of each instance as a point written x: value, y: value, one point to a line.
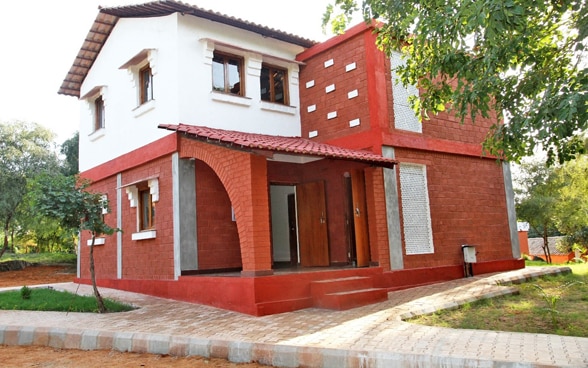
x: 244, y: 177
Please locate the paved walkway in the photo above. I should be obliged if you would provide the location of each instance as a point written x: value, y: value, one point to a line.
x: 371, y: 336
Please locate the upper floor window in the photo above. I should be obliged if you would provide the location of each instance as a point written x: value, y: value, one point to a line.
x: 146, y: 84
x: 99, y: 122
x: 227, y: 72
x: 273, y: 83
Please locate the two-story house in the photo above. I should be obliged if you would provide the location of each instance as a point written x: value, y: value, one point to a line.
x: 254, y: 170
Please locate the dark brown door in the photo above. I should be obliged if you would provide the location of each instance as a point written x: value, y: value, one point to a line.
x: 312, y: 224
x: 292, y: 230
x: 360, y: 223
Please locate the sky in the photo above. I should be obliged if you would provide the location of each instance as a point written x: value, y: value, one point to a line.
x: 39, y: 40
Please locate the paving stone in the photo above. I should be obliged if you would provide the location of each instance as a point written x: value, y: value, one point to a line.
x: 369, y: 336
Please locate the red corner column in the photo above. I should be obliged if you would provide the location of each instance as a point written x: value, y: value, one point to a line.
x: 251, y: 205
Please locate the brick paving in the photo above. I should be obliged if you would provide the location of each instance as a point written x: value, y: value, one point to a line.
x: 370, y: 336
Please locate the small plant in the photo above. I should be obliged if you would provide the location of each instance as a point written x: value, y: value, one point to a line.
x: 25, y: 292
x: 552, y: 298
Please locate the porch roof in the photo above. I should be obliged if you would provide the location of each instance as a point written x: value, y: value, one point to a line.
x: 272, y: 143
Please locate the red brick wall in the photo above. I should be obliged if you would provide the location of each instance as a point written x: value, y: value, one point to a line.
x: 378, y: 224
x: 151, y: 258
x: 218, y: 240
x: 141, y: 259
x: 468, y: 206
x: 353, y: 51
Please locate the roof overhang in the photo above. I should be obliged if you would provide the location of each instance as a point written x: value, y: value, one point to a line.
x: 278, y: 148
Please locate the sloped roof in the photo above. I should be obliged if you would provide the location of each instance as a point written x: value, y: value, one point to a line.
x: 108, y: 17
x: 536, y: 246
x: 286, y: 145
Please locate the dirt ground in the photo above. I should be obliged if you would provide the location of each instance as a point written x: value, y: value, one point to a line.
x: 40, y: 356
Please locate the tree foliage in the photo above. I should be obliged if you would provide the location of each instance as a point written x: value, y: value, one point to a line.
x: 67, y: 199
x: 70, y: 151
x: 523, y: 59
x: 572, y: 217
x: 537, y: 199
x: 556, y: 198
x: 26, y: 150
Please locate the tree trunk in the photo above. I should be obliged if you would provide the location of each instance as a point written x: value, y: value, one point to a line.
x: 99, y: 301
x: 546, y: 245
x: 6, y: 226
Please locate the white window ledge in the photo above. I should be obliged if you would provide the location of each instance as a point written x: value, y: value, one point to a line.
x: 291, y: 110
x: 144, y: 108
x: 97, y: 241
x: 149, y: 234
x: 229, y: 98
x: 97, y: 134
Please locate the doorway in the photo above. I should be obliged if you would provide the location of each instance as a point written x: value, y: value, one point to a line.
x: 357, y: 222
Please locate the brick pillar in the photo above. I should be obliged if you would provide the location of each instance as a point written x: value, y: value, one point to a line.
x: 376, y: 203
x: 252, y: 214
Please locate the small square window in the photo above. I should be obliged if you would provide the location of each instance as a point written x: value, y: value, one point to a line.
x: 146, y: 84
x: 273, y: 83
x: 227, y: 71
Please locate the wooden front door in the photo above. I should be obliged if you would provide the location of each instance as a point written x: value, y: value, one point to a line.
x: 360, y: 223
x: 312, y: 224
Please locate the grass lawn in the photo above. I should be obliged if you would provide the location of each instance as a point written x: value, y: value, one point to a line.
x: 552, y: 305
x: 44, y: 258
x: 45, y: 299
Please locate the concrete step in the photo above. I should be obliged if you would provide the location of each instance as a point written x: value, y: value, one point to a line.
x: 322, y: 287
x: 351, y: 299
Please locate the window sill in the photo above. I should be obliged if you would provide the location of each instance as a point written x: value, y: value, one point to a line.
x: 144, y: 108
x: 97, y: 134
x: 232, y: 99
x: 143, y: 235
x: 285, y: 109
x: 97, y: 241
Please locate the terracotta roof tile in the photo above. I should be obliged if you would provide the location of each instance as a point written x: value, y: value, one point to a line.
x: 289, y: 145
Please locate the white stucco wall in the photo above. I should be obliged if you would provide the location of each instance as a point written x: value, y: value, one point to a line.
x: 181, y: 62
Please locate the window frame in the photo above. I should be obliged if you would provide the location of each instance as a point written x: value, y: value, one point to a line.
x: 99, y: 113
x: 145, y: 84
x: 150, y: 208
x: 272, y: 84
x: 226, y: 59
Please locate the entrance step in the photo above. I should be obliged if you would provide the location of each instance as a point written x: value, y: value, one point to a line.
x: 346, y: 293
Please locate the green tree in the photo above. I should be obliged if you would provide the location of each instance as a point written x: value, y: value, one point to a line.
x: 523, y: 59
x: 572, y: 217
x: 70, y: 150
x: 537, y: 199
x: 26, y: 149
x: 67, y: 199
